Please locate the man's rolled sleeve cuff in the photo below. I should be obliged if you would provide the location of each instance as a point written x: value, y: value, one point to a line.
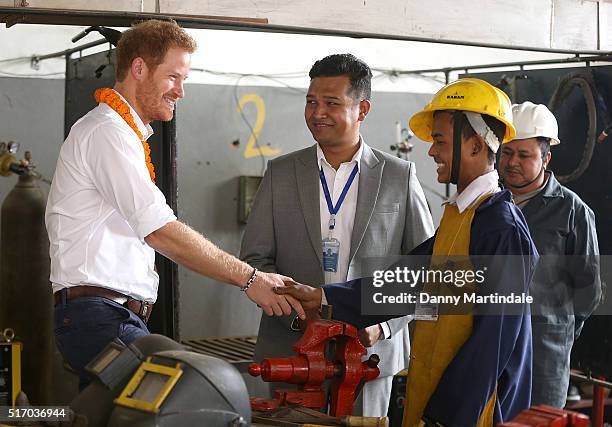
x: 151, y: 218
x: 386, y: 330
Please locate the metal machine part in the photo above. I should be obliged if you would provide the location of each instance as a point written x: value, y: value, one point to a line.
x: 115, y: 363
x: 402, y: 144
x: 112, y: 369
x: 155, y: 382
x: 10, y: 165
x: 235, y: 350
x: 310, y: 369
x: 7, y: 158
x: 175, y: 388
x: 585, y: 81
x: 543, y: 415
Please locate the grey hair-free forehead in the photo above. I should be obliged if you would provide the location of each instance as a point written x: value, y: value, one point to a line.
x: 345, y: 64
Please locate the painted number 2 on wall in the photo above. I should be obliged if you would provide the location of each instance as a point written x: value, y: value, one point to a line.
x: 253, y: 148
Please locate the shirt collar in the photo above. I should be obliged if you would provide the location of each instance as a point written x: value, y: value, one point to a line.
x: 520, y: 198
x: 484, y: 184
x: 145, y: 130
x: 552, y: 188
x: 356, y: 158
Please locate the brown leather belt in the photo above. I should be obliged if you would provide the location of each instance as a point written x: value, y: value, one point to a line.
x: 141, y: 308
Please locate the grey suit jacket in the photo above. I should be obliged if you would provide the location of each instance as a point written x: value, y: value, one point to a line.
x: 283, y: 235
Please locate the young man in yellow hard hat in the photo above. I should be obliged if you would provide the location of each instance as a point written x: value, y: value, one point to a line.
x: 566, y: 287
x: 465, y: 369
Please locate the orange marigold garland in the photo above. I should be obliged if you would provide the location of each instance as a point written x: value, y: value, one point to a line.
x: 110, y: 98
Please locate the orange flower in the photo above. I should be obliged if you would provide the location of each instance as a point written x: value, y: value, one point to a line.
x: 110, y: 98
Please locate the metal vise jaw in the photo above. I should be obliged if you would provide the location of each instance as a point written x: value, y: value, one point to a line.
x: 310, y: 369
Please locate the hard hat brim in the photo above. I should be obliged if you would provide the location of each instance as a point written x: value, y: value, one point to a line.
x: 421, y: 124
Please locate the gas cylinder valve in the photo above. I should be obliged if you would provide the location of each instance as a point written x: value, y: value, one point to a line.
x: 9, y: 163
x: 7, y: 158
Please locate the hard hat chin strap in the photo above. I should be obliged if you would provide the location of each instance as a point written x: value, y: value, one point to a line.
x: 533, y: 180
x: 458, y: 122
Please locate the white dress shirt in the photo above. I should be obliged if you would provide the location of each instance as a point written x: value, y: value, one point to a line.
x: 345, y: 218
x: 101, y: 206
x: 484, y: 184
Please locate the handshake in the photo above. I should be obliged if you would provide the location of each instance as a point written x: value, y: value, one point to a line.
x: 311, y: 298
x: 305, y: 300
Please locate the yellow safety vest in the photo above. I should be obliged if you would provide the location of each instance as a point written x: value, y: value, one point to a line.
x: 435, y: 343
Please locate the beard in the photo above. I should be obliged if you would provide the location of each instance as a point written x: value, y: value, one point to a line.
x: 152, y: 104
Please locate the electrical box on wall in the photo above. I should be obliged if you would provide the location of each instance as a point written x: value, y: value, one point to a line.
x: 248, y: 186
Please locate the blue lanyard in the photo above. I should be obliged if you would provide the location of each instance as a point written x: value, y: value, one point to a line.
x: 333, y: 210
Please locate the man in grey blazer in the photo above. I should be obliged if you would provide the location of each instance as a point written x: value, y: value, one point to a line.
x: 321, y: 211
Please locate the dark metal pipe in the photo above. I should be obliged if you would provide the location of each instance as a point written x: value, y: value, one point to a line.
x: 590, y: 380
x: 447, y: 186
x: 37, y: 58
x: 573, y: 59
x: 79, y: 17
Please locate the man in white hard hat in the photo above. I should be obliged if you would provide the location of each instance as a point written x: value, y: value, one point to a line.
x: 567, y: 287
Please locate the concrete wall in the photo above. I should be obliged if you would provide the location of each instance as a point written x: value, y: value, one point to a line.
x: 209, y: 164
x: 32, y: 113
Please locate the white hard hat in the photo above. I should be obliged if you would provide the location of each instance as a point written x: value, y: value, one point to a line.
x: 533, y: 120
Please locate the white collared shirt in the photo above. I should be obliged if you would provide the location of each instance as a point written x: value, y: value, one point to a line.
x: 345, y: 218
x: 484, y: 184
x: 101, y: 206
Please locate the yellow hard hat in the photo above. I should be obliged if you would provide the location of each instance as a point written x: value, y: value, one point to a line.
x: 468, y: 94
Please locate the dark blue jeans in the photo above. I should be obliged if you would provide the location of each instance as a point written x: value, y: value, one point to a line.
x: 84, y: 326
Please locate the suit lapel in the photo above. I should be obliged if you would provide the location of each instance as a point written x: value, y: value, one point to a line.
x: 370, y: 175
x: 307, y: 180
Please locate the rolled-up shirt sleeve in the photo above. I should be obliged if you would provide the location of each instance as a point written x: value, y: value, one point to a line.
x: 118, y: 170
x: 151, y: 218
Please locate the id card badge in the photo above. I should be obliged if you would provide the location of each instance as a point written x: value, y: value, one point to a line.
x: 426, y: 311
x: 331, y: 249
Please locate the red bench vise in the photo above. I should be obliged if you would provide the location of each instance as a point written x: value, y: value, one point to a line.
x: 547, y: 416
x: 310, y: 369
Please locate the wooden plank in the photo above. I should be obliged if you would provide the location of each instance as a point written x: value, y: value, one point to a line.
x: 574, y: 24
x: 503, y: 21
x: 605, y: 25
x: 559, y: 24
